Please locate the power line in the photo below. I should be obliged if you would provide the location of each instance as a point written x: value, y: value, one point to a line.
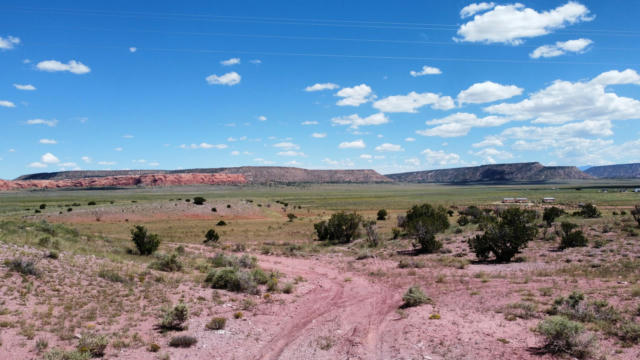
x: 293, y: 21
x: 312, y: 38
x: 346, y: 56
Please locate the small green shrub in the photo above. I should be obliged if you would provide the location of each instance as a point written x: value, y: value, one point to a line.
x: 635, y: 212
x: 563, y: 336
x: 287, y: 288
x: 272, y: 284
x: 589, y: 211
x: 423, y: 222
x: 167, y: 263
x: 217, y: 323
x: 232, y: 279
x: 22, y: 266
x: 291, y: 217
x: 211, y: 237
x: 396, y: 233
x: 463, y: 220
x: 571, y: 237
x: 214, y: 209
x: 199, y: 200
x: 94, y: 344
x: 415, y: 297
x: 259, y: 276
x: 507, y: 237
x: 174, y: 318
x: 382, y: 215
x: 341, y: 228
x: 183, y: 341
x: 551, y: 214
x: 91, y: 203
x: 43, y: 206
x: 146, y: 243
x: 58, y: 354
x: 221, y: 223
x: 629, y: 332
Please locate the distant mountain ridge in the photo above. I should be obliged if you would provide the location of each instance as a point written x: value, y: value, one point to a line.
x: 252, y: 174
x: 618, y: 171
x: 516, y: 172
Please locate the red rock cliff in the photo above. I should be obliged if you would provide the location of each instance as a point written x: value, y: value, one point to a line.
x: 127, y: 180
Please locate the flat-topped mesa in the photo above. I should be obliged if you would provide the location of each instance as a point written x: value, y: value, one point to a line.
x: 618, y: 171
x: 252, y: 174
x: 126, y: 180
x: 517, y: 172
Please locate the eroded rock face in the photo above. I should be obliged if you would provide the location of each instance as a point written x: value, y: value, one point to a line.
x: 127, y: 180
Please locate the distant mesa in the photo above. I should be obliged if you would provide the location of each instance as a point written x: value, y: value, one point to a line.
x: 620, y: 171
x: 531, y: 172
x: 497, y: 173
x: 213, y: 176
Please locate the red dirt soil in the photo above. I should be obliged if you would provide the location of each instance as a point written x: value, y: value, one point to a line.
x: 127, y: 180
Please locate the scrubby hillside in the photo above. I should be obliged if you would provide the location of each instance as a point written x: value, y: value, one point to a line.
x: 619, y: 171
x: 525, y: 172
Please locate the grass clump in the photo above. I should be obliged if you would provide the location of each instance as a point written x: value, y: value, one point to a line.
x: 232, y: 279
x: 174, y: 318
x: 22, y: 266
x: 183, y: 341
x: 415, y: 297
x: 58, y: 354
x: 111, y: 275
x: 563, y: 336
x: 217, y: 323
x: 94, y: 344
x: 520, y: 310
x: 167, y: 263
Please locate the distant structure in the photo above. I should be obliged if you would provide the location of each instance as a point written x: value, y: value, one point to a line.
x: 636, y: 190
x: 548, y: 200
x: 522, y: 200
x: 508, y: 200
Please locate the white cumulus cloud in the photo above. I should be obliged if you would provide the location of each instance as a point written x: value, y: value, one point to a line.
x: 6, y: 103
x: 48, y: 141
x: 355, y: 96
x: 49, y: 158
x: 229, y: 79
x: 459, y: 124
x: 565, y: 101
x: 439, y: 157
x: 487, y: 91
x: 321, y: 87
x: 411, y: 102
x: 72, y: 66
x: 230, y: 62
x: 512, y: 23
x: 354, y: 121
x: 389, y: 147
x: 9, y: 42
x: 25, y: 87
x: 50, y: 123
x: 287, y: 145
x: 356, y: 144
x: 475, y: 8
x: 426, y: 70
x: 561, y: 48
x: 319, y: 135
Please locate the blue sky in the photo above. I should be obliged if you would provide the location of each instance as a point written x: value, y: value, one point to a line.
x: 393, y: 86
